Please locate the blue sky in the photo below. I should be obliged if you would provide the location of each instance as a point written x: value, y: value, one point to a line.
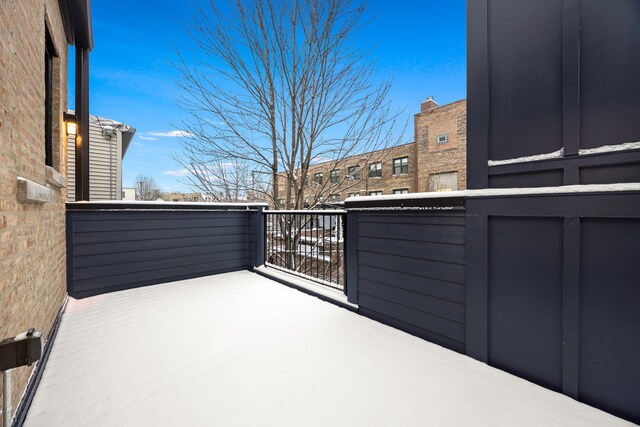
x: 420, y: 45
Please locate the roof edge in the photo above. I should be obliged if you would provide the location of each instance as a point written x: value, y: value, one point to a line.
x: 76, y: 17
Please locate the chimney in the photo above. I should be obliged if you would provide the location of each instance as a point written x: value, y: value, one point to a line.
x: 429, y: 104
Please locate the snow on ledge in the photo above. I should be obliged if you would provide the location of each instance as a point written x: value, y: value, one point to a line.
x: 558, y: 154
x: 555, y: 155
x: 610, y: 148
x: 143, y: 203
x: 492, y: 192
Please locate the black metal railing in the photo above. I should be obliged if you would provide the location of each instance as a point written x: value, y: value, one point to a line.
x: 307, y: 243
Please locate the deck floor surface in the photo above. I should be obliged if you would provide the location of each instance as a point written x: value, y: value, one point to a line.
x: 238, y: 349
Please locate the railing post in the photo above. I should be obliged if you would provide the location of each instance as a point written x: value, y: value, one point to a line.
x: 260, y: 237
x: 351, y: 256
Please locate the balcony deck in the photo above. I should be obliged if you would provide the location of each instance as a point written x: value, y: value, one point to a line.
x: 240, y: 349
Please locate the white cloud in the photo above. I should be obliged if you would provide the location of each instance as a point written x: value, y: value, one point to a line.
x: 171, y: 133
x: 147, y: 138
x: 179, y: 172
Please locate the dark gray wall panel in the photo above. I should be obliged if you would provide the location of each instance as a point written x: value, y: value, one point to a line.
x: 610, y: 174
x: 113, y: 250
x: 411, y: 272
x: 610, y: 316
x: 561, y: 280
x: 448, y: 291
x: 545, y: 75
x: 550, y: 178
x: 525, y: 66
x: 610, y: 65
x: 525, y: 298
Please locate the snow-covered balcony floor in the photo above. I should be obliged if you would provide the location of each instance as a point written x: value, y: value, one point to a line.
x: 240, y: 349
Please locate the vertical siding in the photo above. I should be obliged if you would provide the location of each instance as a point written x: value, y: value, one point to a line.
x: 554, y: 293
x: 411, y: 273
x: 103, y: 166
x: 115, y: 250
x: 545, y: 75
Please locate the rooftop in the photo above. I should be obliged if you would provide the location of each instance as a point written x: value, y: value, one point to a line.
x: 241, y: 349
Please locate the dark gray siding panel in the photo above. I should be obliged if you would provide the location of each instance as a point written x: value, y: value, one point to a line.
x: 610, y: 316
x: 607, y: 174
x: 525, y: 66
x: 411, y: 272
x: 550, y: 74
x: 525, y: 298
x: 550, y: 178
x: 610, y: 65
x: 560, y: 275
x: 114, y: 250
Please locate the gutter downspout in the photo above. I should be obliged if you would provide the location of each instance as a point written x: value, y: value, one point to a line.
x: 82, y: 116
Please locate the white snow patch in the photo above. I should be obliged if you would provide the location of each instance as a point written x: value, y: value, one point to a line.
x: 558, y: 154
x: 161, y: 202
x: 610, y: 148
x: 492, y: 192
x: 239, y: 349
x: 555, y: 155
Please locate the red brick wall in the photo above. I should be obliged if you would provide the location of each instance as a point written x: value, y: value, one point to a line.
x: 435, y: 159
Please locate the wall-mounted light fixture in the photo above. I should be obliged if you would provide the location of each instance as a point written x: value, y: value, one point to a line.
x: 71, y: 123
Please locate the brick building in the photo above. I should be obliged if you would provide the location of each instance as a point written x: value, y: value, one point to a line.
x: 34, y: 36
x: 440, y: 144
x: 434, y: 161
x: 176, y: 196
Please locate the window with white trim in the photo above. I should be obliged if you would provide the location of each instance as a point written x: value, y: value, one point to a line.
x: 375, y: 170
x: 401, y: 165
x: 401, y: 191
x: 353, y: 173
x: 375, y: 193
x: 442, y: 139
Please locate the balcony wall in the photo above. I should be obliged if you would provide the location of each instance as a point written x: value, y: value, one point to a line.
x: 116, y: 246
x: 553, y: 292
x: 409, y: 268
x: 544, y: 286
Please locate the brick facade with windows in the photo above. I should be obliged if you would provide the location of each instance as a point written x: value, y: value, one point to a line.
x: 441, y: 146
x: 435, y: 161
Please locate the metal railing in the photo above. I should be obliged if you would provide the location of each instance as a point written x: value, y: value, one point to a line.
x: 307, y: 243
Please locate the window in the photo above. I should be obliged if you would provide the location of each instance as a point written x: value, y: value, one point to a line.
x: 401, y: 191
x: 353, y: 172
x: 306, y: 180
x: 443, y: 181
x: 375, y: 170
x: 334, y: 197
x: 49, y: 54
x: 375, y: 193
x: 317, y: 177
x: 334, y: 177
x: 401, y: 165
x: 442, y: 139
x: 354, y: 194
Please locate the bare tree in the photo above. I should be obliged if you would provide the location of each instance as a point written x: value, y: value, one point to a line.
x: 282, y: 87
x: 218, y: 179
x: 146, y: 188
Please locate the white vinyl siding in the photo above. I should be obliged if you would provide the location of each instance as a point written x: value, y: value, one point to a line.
x: 105, y: 165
